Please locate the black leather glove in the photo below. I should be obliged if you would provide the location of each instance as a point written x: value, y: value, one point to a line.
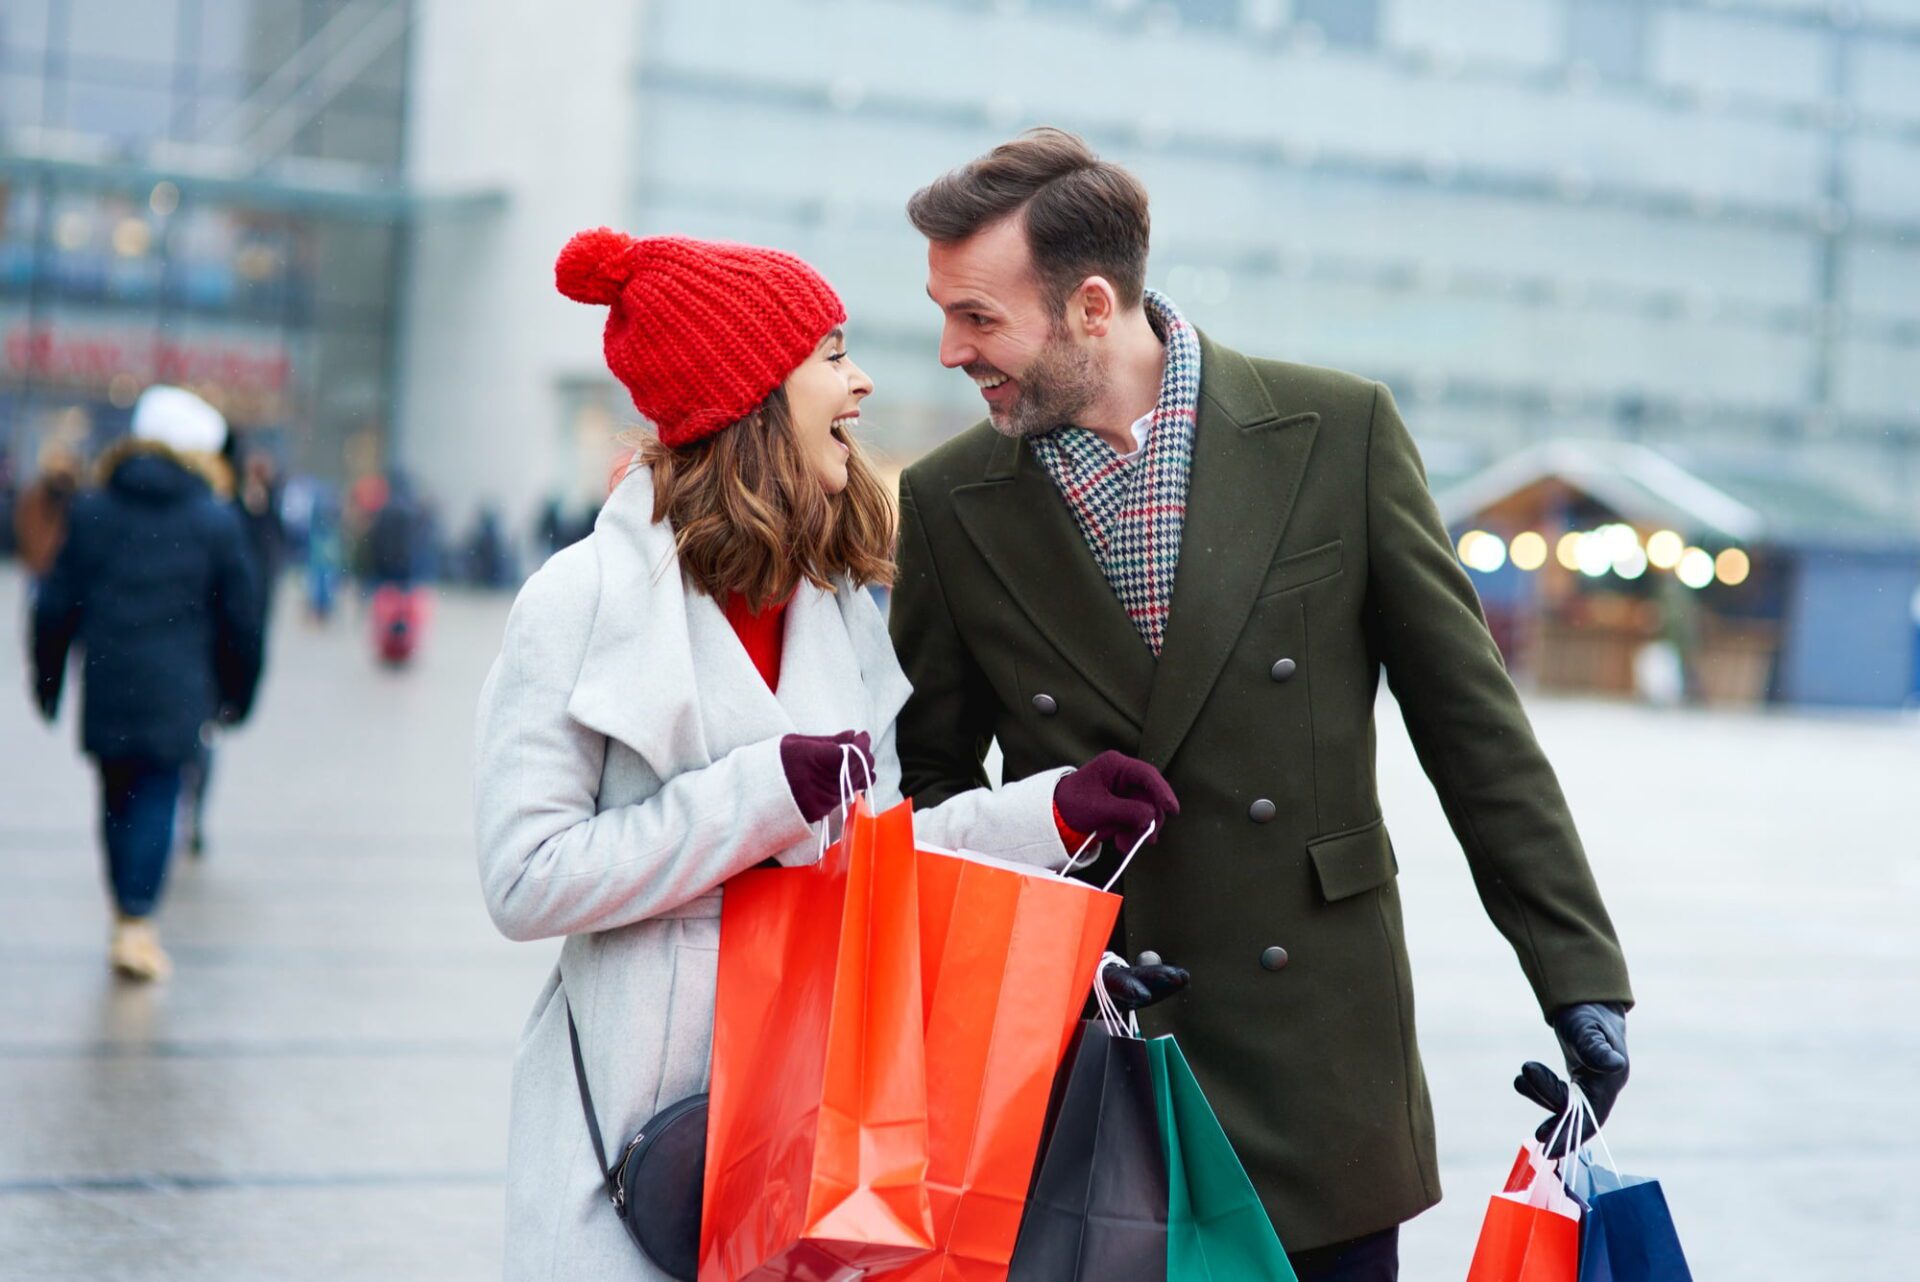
x: 812, y: 763
x: 1115, y: 797
x: 1593, y: 1038
x: 1138, y: 986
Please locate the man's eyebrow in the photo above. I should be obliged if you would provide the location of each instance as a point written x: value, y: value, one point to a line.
x: 964, y: 305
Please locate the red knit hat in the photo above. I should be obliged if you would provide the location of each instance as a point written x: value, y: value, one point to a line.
x: 701, y: 331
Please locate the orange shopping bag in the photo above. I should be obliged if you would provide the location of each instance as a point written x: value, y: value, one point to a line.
x: 1008, y: 952
x: 817, y: 1124
x: 1532, y: 1229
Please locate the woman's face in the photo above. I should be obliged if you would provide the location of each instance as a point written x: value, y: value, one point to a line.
x: 824, y: 396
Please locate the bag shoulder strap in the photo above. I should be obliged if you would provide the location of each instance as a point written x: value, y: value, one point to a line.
x: 593, y: 1123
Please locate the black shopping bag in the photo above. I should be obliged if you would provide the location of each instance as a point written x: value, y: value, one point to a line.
x: 1098, y: 1208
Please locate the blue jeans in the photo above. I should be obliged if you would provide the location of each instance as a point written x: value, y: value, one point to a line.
x: 1373, y: 1258
x: 137, y: 803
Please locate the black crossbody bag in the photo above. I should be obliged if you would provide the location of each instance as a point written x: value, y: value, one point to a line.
x: 657, y: 1186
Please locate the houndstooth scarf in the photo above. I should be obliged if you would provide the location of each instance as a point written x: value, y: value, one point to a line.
x: 1131, y: 513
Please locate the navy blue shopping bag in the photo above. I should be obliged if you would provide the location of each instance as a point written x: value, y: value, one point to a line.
x: 1627, y: 1234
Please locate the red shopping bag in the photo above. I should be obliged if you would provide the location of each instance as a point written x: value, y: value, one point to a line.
x: 1532, y: 1229
x: 1008, y: 952
x: 817, y: 1124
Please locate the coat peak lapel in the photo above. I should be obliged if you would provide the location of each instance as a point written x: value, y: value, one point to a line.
x: 1021, y: 527
x: 663, y: 672
x: 1248, y: 460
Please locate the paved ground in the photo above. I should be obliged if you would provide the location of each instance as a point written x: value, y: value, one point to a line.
x: 320, y: 1092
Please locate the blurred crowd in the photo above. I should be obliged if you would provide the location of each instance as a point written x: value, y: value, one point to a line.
x: 151, y: 565
x: 382, y: 528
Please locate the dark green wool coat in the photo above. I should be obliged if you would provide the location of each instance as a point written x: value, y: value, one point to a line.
x: 1312, y: 558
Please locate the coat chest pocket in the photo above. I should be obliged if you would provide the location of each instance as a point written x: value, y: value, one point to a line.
x: 1298, y: 571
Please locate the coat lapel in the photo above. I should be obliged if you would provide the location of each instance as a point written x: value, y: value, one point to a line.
x: 1248, y: 458
x: 1019, y: 523
x: 663, y: 671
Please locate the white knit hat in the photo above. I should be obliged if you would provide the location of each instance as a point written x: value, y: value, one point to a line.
x: 179, y: 420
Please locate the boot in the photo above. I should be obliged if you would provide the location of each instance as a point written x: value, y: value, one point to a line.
x: 136, y: 953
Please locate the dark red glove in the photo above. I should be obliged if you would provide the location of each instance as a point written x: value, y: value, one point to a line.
x: 812, y: 763
x: 1115, y: 797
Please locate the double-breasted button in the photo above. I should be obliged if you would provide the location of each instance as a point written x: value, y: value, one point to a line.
x: 1273, y: 958
x: 1261, y: 811
x: 1148, y: 958
x: 1283, y: 669
x: 1045, y: 705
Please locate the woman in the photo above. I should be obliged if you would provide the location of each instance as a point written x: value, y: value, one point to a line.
x: 154, y: 585
x: 674, y: 696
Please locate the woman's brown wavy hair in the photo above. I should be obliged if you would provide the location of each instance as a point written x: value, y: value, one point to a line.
x: 749, y: 514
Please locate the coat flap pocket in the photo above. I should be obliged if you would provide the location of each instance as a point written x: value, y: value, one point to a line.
x: 1298, y: 571
x: 1348, y: 863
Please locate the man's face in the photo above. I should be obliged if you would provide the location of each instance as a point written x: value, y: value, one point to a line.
x: 1033, y: 371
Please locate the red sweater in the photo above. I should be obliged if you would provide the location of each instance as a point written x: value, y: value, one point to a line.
x: 763, y: 635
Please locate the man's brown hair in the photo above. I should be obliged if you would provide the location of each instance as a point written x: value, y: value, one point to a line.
x: 1084, y: 216
x: 749, y: 514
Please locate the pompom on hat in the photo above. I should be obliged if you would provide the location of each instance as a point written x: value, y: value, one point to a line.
x: 701, y: 332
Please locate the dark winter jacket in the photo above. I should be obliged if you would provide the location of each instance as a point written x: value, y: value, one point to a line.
x: 156, y: 586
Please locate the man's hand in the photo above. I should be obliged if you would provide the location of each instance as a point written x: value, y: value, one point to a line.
x: 1140, y: 985
x: 1593, y: 1038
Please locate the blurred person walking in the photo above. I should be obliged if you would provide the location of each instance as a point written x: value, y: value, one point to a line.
x: 324, y: 558
x: 1159, y: 545
x: 257, y: 503
x: 155, y: 585
x: 676, y: 697
x: 398, y: 552
x: 40, y: 513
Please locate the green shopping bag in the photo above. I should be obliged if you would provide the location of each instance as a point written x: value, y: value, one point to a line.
x: 1217, y: 1231
x: 1102, y: 1204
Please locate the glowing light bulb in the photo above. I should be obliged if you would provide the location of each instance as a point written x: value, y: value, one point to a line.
x: 1695, y: 568
x: 1528, y: 550
x: 1665, y: 549
x: 1567, y: 549
x: 1482, y: 551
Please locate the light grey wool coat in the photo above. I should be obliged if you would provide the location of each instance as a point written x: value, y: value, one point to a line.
x: 628, y: 764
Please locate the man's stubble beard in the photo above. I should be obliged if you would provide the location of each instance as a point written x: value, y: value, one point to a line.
x: 1057, y: 386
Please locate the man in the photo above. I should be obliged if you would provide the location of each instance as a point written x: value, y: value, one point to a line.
x: 154, y: 584
x: 1159, y: 545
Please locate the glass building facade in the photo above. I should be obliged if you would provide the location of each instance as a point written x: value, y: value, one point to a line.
x: 203, y: 192
x: 1687, y: 223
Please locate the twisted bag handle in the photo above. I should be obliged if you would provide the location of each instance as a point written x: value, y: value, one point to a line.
x: 1118, y: 1025
x: 848, y: 793
x: 1075, y: 863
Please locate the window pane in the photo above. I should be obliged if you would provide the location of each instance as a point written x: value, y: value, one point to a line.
x: 120, y: 112
x: 1609, y: 35
x: 23, y: 29
x: 20, y: 206
x: 135, y: 33
x: 1210, y: 15
x: 355, y: 136
x: 1344, y: 22
x: 225, y: 32
x: 354, y: 264
x: 20, y: 98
